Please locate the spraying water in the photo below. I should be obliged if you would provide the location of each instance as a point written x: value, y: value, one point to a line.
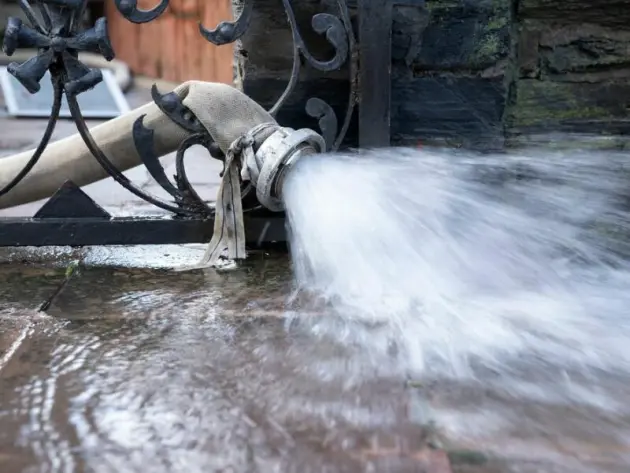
x: 465, y: 264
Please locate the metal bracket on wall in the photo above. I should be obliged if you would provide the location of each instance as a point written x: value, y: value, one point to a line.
x: 375, y: 59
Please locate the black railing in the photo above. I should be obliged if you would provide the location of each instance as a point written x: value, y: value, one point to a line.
x: 72, y: 218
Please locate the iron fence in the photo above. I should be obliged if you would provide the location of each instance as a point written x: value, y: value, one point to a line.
x: 71, y: 217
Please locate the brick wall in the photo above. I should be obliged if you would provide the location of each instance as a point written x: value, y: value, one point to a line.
x: 171, y: 47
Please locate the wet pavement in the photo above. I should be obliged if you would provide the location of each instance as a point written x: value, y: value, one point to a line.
x: 137, y: 368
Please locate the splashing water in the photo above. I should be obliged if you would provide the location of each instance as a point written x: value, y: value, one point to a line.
x: 469, y: 262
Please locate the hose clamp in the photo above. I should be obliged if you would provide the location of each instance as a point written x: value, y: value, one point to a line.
x: 283, y: 147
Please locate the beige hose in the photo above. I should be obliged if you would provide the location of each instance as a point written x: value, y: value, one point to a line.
x: 225, y: 112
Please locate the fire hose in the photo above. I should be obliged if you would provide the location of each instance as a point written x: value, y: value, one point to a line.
x: 257, y: 149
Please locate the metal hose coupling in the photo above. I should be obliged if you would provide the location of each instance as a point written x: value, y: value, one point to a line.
x: 263, y: 156
x: 267, y: 166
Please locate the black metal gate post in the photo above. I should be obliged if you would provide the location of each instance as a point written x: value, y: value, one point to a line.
x: 375, y: 55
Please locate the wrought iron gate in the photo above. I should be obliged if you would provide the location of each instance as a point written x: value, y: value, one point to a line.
x: 71, y: 217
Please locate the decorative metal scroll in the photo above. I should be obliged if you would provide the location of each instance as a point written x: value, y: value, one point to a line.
x: 55, y: 29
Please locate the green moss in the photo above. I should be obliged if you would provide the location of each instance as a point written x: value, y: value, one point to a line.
x: 541, y: 102
x: 466, y: 457
x: 593, y: 143
x: 540, y: 115
x: 487, y: 49
x: 489, y: 45
x: 497, y: 22
x: 433, y: 5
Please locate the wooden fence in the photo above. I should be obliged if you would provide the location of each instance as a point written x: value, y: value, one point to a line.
x: 171, y: 47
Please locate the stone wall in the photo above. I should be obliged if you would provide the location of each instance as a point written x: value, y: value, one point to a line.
x: 449, y: 65
x: 451, y: 86
x: 471, y: 73
x: 474, y: 73
x: 572, y: 65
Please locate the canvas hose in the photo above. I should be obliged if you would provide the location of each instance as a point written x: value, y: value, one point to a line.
x: 256, y: 148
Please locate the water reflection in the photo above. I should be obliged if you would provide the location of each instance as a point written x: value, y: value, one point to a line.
x: 138, y: 370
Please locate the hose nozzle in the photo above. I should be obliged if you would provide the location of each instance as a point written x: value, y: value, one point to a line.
x: 264, y: 155
x: 269, y: 165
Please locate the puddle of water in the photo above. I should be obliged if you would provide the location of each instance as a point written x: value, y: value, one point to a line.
x: 138, y: 369
x: 154, y: 256
x: 196, y: 372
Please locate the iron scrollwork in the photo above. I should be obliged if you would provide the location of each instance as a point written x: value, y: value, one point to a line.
x: 55, y: 29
